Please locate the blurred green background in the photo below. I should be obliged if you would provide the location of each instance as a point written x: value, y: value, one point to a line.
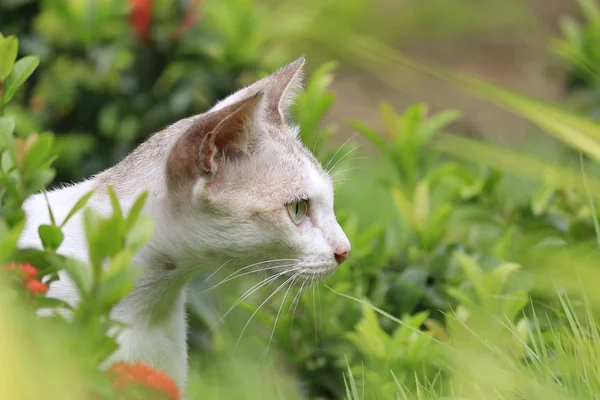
x: 467, y: 181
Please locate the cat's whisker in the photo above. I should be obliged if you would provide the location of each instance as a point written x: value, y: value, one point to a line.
x: 345, y: 170
x: 315, y: 312
x: 341, y: 159
x: 333, y: 172
x: 338, y: 150
x: 245, y: 274
x: 298, y: 295
x: 217, y: 270
x: 287, y: 292
x: 320, y: 308
x: 263, y: 262
x: 247, y: 294
x: 259, y: 307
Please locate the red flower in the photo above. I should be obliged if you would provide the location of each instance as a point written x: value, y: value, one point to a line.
x: 124, y: 375
x: 28, y: 274
x: 190, y: 19
x: 140, y: 18
x: 36, y: 286
x: 27, y: 271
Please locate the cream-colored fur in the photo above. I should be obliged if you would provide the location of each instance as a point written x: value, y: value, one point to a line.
x: 218, y: 187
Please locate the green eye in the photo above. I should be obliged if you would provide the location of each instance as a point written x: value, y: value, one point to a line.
x: 298, y: 210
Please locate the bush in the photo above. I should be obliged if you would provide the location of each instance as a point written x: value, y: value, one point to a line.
x: 473, y: 272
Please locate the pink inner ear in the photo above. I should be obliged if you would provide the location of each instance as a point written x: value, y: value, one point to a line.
x: 216, y: 133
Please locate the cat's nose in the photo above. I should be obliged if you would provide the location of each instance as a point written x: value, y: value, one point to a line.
x: 341, y: 251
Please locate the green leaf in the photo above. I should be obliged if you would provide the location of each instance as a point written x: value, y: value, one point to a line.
x: 421, y: 204
x: 404, y: 206
x: 135, y: 211
x: 51, y: 236
x: 8, y: 54
x: 78, y: 206
x: 9, y: 237
x: 373, y: 136
x: 7, y: 127
x: 49, y: 302
x: 50, y: 213
x: 390, y: 121
x: 436, y: 123
x: 509, y: 160
x: 79, y: 273
x: 115, y: 287
x: 115, y: 203
x: 473, y: 272
x: 20, y: 72
x: 541, y: 200
x: 140, y: 233
x: 39, y: 153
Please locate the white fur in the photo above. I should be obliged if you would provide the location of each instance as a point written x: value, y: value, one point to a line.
x: 239, y: 214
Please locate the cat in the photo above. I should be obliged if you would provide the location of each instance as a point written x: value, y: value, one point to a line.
x: 234, y: 183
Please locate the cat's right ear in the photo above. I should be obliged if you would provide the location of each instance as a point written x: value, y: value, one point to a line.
x: 213, y: 138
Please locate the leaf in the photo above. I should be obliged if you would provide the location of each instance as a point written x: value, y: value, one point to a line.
x: 373, y: 136
x: 38, y: 153
x: 390, y: 121
x: 497, y: 157
x: 119, y: 262
x: 20, y: 72
x: 78, y: 206
x: 541, y: 200
x: 115, y: 203
x: 503, y: 271
x: 514, y: 304
x: 49, y: 302
x: 140, y: 233
x: 50, y: 213
x: 135, y: 211
x: 51, y: 236
x: 115, y: 287
x: 578, y: 132
x: 473, y: 272
x: 404, y: 206
x: 79, y: 274
x: 421, y: 204
x: 7, y: 127
x: 8, y: 54
x: 434, y: 125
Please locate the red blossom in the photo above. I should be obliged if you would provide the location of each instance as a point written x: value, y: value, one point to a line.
x: 28, y: 274
x: 124, y: 375
x: 27, y: 271
x: 140, y: 18
x: 37, y: 287
x: 190, y: 19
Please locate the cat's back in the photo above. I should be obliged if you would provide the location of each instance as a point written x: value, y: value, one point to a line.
x: 61, y: 201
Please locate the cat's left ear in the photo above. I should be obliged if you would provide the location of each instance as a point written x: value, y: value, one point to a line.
x: 214, y: 138
x: 280, y: 89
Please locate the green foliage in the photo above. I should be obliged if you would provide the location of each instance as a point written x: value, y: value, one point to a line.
x: 579, y: 46
x: 464, y: 281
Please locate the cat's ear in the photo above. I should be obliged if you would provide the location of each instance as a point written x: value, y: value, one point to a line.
x: 214, y: 137
x: 280, y: 90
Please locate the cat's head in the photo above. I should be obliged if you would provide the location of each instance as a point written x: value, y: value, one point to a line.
x: 255, y: 192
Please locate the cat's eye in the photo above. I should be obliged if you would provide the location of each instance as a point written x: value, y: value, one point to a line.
x: 298, y: 210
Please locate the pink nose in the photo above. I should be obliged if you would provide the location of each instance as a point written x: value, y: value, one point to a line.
x: 341, y: 253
